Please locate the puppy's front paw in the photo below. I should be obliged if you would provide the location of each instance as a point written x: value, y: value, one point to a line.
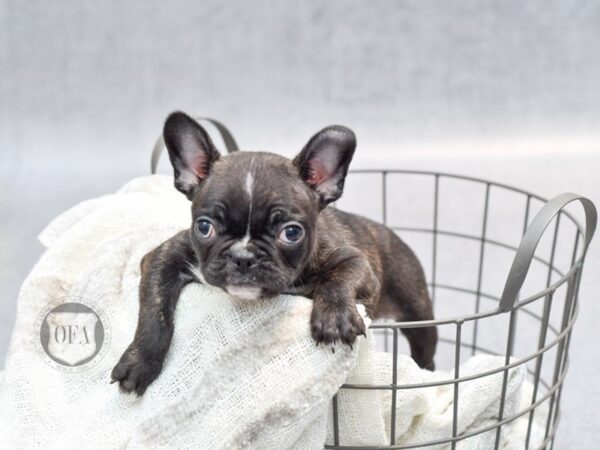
x: 134, y: 372
x: 329, y: 325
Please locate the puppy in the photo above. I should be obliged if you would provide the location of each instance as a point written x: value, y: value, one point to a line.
x: 261, y: 226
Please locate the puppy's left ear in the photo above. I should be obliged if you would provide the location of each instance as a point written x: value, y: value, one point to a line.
x: 191, y: 152
x: 324, y: 161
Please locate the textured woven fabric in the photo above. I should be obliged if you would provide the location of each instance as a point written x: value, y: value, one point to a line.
x: 238, y: 374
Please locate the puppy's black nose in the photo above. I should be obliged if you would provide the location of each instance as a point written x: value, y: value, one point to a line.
x: 244, y: 263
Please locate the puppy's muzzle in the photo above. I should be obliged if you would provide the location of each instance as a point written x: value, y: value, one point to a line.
x: 243, y: 263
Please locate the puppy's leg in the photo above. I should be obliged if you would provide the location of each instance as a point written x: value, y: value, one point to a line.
x: 395, y: 303
x: 345, y: 277
x: 165, y: 271
x: 422, y: 341
x: 405, y: 298
x: 405, y: 304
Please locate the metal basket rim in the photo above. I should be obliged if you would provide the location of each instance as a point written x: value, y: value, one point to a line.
x: 467, y: 178
x: 576, y: 265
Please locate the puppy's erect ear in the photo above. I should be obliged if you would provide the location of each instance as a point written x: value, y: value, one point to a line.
x: 191, y: 152
x: 324, y: 161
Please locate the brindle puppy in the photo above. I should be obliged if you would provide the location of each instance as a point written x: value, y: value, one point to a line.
x: 261, y: 227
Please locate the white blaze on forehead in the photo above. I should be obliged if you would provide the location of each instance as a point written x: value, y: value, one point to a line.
x: 249, y: 189
x: 240, y: 247
x: 250, y: 183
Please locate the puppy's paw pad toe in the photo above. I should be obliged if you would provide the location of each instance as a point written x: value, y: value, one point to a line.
x: 330, y: 327
x: 134, y: 374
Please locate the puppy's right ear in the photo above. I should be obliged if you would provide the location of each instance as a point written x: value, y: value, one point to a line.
x: 191, y: 152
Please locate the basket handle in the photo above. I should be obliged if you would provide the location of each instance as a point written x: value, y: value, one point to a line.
x: 520, y: 266
x: 230, y: 144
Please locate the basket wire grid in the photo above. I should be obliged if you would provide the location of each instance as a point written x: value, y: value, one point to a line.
x: 546, y: 313
x: 554, y: 317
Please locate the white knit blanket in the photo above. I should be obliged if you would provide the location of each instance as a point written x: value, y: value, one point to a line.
x: 237, y: 375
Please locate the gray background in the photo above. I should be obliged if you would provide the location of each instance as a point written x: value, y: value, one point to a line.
x: 505, y: 90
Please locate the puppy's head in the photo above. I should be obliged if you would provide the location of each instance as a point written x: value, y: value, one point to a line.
x: 254, y: 225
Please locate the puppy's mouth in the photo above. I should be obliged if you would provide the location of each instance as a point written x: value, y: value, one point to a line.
x: 244, y: 291
x: 264, y: 284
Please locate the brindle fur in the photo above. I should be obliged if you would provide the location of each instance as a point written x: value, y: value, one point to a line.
x: 344, y: 259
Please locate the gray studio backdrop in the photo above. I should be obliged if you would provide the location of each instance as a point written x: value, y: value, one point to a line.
x: 504, y: 90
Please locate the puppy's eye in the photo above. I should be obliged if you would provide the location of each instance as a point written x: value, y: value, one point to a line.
x: 291, y: 233
x: 205, y: 228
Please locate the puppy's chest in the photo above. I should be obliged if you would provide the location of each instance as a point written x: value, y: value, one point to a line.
x: 311, y: 277
x: 303, y: 288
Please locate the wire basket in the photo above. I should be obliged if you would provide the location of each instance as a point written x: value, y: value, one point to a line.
x: 469, y: 233
x: 504, y: 267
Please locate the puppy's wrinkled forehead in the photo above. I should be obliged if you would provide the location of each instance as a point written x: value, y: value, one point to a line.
x: 250, y: 184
